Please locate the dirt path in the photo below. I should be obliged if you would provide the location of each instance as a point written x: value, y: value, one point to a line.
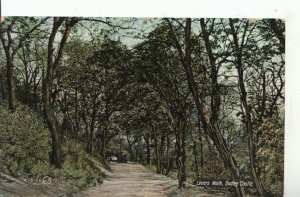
x: 134, y: 180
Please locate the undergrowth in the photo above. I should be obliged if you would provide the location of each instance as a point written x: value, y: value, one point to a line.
x: 25, y: 145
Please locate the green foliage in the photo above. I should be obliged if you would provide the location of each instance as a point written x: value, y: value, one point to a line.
x: 271, y: 154
x: 79, y: 166
x: 25, y: 145
x: 213, y: 168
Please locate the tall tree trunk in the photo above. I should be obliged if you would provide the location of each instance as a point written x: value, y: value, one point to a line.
x: 247, y: 112
x: 91, y: 137
x: 180, y: 149
x: 156, y: 149
x: 56, y: 153
x: 10, y: 86
x: 168, y: 164
x: 86, y: 124
x: 2, y: 86
x: 212, y: 130
x: 35, y: 95
x: 92, y: 127
x: 130, y: 145
x: 201, y: 141
x: 147, y: 140
x: 196, y: 159
x: 103, y: 147
x: 7, y: 46
x: 161, y: 151
x: 215, y: 133
x: 26, y: 84
x: 195, y: 153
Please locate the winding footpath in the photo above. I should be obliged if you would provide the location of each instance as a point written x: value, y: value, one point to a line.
x: 134, y: 180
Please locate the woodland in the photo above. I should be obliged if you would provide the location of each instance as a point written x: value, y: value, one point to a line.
x: 190, y: 98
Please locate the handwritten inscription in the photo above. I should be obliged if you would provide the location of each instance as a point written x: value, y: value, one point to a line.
x: 44, y: 180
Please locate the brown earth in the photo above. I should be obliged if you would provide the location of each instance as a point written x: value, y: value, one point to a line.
x: 125, y: 180
x: 134, y: 180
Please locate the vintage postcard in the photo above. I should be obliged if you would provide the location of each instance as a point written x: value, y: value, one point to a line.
x: 142, y: 106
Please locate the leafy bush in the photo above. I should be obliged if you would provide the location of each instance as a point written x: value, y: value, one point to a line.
x: 78, y: 166
x: 271, y: 154
x: 25, y: 144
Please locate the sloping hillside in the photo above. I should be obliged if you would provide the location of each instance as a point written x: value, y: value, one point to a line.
x: 24, y: 156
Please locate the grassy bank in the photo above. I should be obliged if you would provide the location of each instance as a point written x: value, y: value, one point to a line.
x: 24, y: 154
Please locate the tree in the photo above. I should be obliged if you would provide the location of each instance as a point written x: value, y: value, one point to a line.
x: 52, y: 63
x: 248, y: 122
x: 211, y: 128
x: 160, y: 70
x: 12, y: 45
